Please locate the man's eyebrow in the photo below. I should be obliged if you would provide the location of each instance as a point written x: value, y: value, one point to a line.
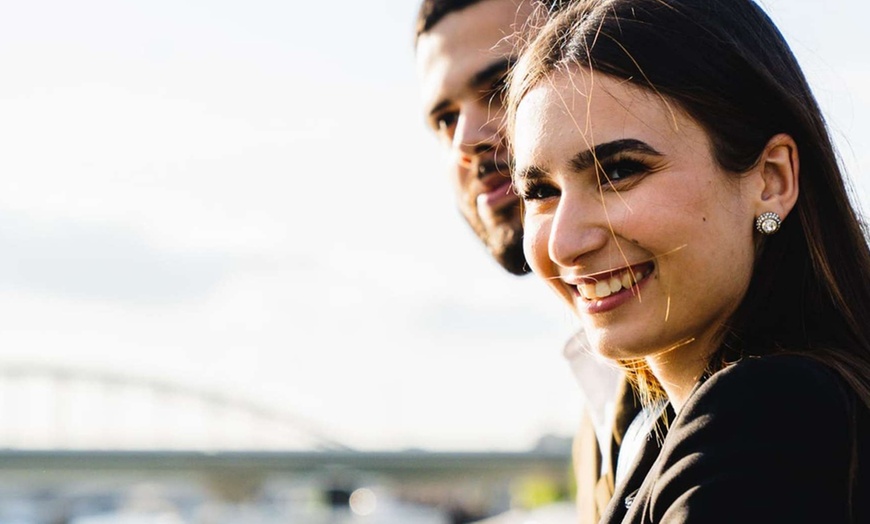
x: 494, y: 70
x: 437, y: 109
x: 586, y: 159
x: 480, y: 79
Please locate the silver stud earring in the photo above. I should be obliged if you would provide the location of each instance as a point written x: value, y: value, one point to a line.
x: 768, y: 223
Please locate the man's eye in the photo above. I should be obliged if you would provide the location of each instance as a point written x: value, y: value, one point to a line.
x: 445, y: 122
x: 496, y: 91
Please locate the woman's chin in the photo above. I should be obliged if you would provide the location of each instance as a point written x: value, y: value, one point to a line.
x: 608, y: 350
x: 615, y: 356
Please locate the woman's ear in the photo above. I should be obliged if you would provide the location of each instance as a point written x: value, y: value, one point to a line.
x: 779, y: 166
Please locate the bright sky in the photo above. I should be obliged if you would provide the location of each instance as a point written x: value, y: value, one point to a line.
x: 243, y: 196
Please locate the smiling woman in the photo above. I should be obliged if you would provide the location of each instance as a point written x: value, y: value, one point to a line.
x: 640, y: 160
x: 683, y: 197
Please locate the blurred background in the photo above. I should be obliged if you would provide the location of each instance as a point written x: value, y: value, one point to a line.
x: 234, y: 287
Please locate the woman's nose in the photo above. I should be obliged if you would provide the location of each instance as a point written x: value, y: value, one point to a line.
x: 577, y: 229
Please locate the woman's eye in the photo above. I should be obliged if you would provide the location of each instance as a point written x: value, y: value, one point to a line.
x: 538, y: 192
x: 621, y: 169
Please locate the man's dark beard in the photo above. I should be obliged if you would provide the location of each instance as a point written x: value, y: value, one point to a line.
x: 511, y: 257
x: 506, y: 246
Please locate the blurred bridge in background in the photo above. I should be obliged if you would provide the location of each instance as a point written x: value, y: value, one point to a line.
x: 77, y: 446
x: 52, y: 407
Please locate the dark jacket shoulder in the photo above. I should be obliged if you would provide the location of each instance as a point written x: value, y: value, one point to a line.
x: 765, y: 440
x: 782, y: 393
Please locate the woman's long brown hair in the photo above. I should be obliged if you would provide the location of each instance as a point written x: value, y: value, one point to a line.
x: 726, y: 65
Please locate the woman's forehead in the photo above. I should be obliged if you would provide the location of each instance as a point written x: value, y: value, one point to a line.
x: 582, y: 106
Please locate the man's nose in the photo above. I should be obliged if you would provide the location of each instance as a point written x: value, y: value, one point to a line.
x: 476, y: 133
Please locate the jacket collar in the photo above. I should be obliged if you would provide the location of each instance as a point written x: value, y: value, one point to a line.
x: 628, y: 494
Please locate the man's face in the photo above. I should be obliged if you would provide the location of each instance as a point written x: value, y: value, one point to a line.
x: 462, y: 62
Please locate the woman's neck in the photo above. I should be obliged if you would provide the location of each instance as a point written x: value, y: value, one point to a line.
x: 678, y: 370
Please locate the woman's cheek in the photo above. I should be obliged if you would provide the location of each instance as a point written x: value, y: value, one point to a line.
x: 536, y: 242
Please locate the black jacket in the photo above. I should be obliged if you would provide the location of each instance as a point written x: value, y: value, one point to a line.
x: 767, y: 440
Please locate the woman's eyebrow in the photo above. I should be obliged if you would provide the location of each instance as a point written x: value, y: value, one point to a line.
x: 529, y: 173
x: 586, y: 159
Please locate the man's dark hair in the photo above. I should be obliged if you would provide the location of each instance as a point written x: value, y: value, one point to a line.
x: 432, y: 11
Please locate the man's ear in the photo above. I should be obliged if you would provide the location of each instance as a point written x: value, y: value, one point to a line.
x: 779, y: 166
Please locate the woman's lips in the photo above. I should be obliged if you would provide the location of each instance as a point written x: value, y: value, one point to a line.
x: 609, y: 283
x: 609, y: 289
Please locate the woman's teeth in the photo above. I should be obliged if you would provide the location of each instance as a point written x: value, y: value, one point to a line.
x: 606, y: 287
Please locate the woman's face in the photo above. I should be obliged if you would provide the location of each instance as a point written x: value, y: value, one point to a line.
x: 628, y: 217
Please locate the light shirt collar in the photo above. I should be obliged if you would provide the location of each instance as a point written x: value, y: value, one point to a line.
x: 598, y: 379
